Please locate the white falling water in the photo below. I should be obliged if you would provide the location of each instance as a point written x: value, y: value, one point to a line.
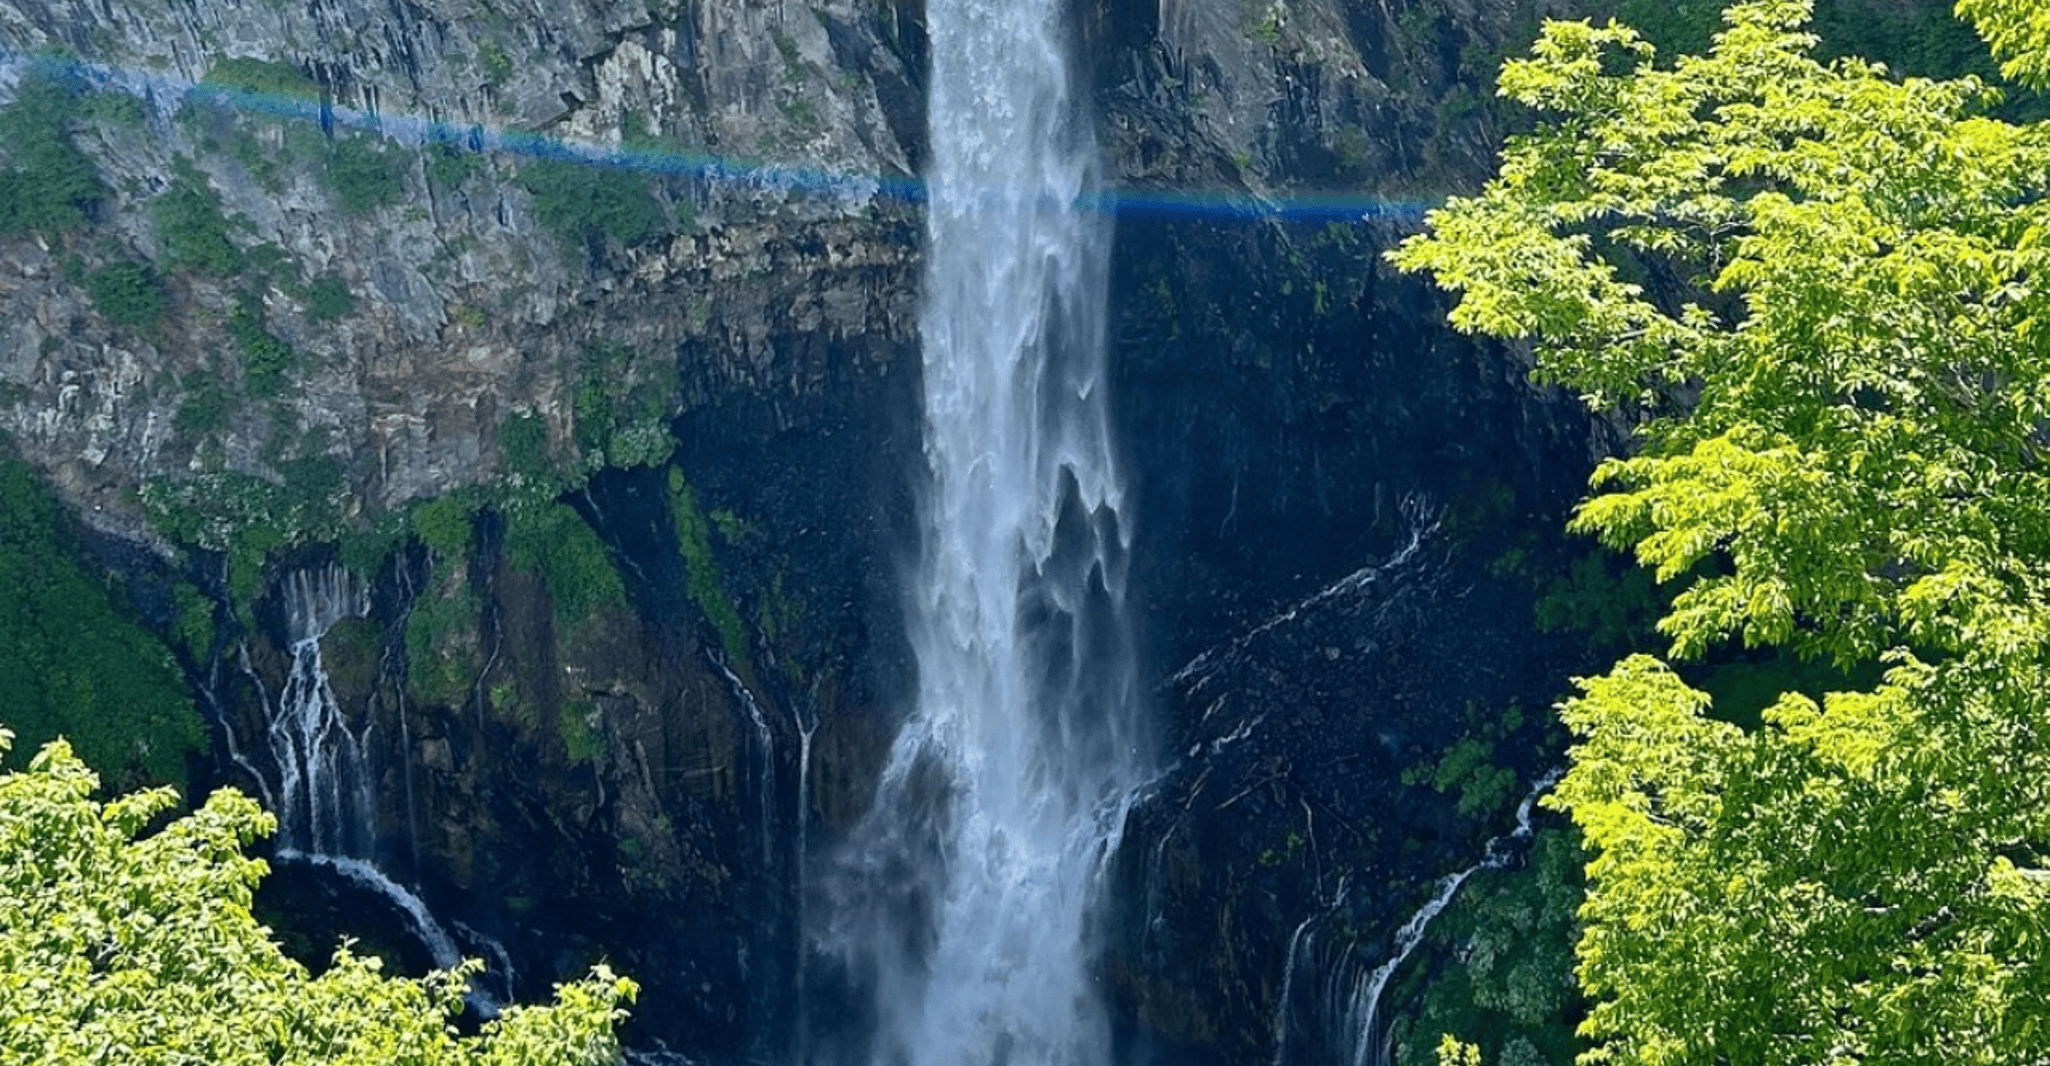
x: 440, y: 945
x: 964, y: 901
x: 1362, y: 1031
x: 765, y: 745
x: 323, y: 780
x: 324, y: 805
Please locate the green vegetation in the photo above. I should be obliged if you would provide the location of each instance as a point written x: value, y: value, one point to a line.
x: 118, y: 945
x: 128, y: 293
x: 266, y: 359
x: 446, y: 524
x: 441, y: 638
x: 191, y: 226
x: 701, y: 570
x: 497, y: 65
x: 117, y: 109
x: 588, y: 203
x: 47, y: 186
x: 1472, y: 766
x: 1918, y: 38
x: 535, y: 469
x: 258, y: 163
x: 621, y: 419
x: 580, y: 726
x: 1817, y: 291
x: 204, y: 410
x: 1504, y: 952
x: 328, y: 299
x: 72, y: 662
x: 793, y: 59
x: 363, y: 173
x: 261, y: 76
x: 248, y: 517
x: 1600, y: 595
x: 193, y: 625
x: 449, y: 165
x: 554, y: 543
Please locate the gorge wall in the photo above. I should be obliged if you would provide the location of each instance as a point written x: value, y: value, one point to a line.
x: 621, y: 454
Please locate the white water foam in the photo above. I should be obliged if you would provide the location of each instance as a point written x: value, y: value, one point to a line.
x: 963, y: 902
x: 323, y: 779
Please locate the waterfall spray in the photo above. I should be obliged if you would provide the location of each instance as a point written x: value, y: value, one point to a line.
x: 963, y: 900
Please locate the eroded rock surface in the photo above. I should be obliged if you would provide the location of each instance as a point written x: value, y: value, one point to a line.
x: 729, y: 306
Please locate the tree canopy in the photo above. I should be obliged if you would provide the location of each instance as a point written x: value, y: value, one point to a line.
x: 1817, y: 293
x: 121, y: 945
x: 73, y: 661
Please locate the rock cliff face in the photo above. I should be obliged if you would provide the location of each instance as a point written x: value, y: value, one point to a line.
x: 396, y: 327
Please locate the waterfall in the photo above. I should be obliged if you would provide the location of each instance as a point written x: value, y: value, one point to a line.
x: 323, y: 801
x: 765, y: 754
x: 1352, y: 997
x: 806, y: 717
x: 963, y: 902
x: 323, y: 780
x: 1282, y: 1019
x: 440, y: 945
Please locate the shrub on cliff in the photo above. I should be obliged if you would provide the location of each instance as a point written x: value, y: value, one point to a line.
x: 128, y: 293
x: 47, y: 184
x: 585, y: 202
x: 118, y: 944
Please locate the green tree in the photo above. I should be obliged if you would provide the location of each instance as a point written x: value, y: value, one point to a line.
x: 72, y: 659
x: 118, y: 945
x: 47, y: 185
x: 1817, y: 292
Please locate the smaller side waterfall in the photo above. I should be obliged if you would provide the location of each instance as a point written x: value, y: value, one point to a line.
x: 1282, y: 1027
x: 1364, y: 1032
x: 323, y: 780
x: 440, y: 944
x: 322, y: 796
x: 1422, y: 521
x: 1352, y: 994
x: 765, y: 743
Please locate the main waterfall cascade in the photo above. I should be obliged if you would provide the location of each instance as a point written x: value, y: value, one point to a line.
x: 962, y: 904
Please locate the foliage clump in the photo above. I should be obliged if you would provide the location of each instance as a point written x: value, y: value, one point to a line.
x: 263, y: 77
x: 1818, y: 292
x: 266, y: 357
x: 72, y: 661
x: 587, y: 203
x: 701, y: 569
x: 328, y: 299
x: 129, y: 293
x: 621, y: 420
x: 204, y: 410
x: 192, y: 228
x: 123, y: 945
x: 363, y: 173
x: 553, y: 542
x: 47, y: 186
